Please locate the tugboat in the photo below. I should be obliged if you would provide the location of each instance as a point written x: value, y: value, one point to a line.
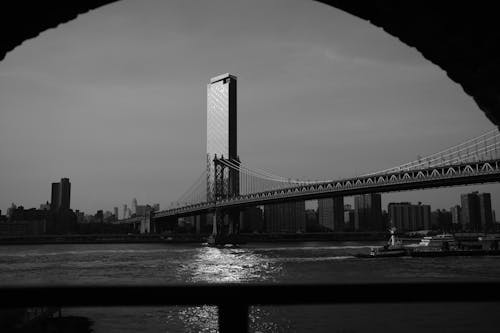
x: 393, y: 248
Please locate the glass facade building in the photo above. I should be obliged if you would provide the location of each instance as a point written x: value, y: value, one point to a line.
x: 222, y: 132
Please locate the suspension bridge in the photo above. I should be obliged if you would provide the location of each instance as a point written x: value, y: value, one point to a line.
x: 476, y: 160
x: 226, y: 185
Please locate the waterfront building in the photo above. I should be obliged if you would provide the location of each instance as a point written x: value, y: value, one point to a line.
x: 80, y: 216
x: 407, y: 217
x: 441, y: 219
x: 61, y: 218
x: 64, y: 194
x: 25, y: 222
x: 108, y: 216
x: 222, y: 130
x: 54, y: 197
x: 349, y: 219
x: 386, y: 222
x: 476, y: 211
x: 331, y: 213
x: 486, y: 215
x: 115, y: 212
x: 61, y: 195
x: 368, y: 212
x: 312, y: 224
x: 252, y: 220
x: 456, y: 217
x: 99, y: 216
x: 286, y: 217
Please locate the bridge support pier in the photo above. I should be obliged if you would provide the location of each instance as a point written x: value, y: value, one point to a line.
x: 218, y: 222
x: 197, y: 224
x: 241, y: 217
x: 225, y: 225
x: 234, y: 222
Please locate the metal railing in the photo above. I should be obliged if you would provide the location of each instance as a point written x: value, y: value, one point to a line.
x: 233, y: 300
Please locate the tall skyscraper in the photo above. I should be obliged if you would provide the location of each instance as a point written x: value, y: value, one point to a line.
x: 368, y: 212
x: 252, y: 220
x: 485, y: 211
x: 65, y: 194
x: 331, y: 213
x: 115, y: 211
x: 54, y: 198
x: 60, y: 198
x: 222, y: 140
x: 125, y: 211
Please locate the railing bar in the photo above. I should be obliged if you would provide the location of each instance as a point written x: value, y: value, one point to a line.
x: 233, y: 318
x: 248, y: 294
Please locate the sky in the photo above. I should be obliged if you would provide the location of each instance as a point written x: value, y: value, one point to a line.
x: 115, y: 100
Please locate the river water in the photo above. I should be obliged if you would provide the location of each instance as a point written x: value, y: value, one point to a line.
x: 322, y: 262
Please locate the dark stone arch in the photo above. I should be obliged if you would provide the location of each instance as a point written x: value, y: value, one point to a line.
x: 462, y: 38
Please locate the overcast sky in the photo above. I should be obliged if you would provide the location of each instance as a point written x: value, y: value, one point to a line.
x: 116, y: 101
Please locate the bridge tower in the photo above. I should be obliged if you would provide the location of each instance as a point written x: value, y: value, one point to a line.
x: 222, y: 143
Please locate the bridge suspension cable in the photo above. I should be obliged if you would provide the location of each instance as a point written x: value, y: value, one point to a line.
x: 252, y: 180
x: 490, y: 145
x: 486, y: 146
x: 196, y: 193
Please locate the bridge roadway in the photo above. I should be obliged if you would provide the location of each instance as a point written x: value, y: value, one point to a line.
x: 442, y: 176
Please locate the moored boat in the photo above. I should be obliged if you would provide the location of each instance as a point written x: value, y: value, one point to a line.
x: 436, y: 246
x: 445, y: 245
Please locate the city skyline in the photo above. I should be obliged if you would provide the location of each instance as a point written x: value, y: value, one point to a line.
x: 346, y: 65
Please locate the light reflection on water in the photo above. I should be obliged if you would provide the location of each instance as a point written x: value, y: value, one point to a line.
x: 214, y: 265
x: 144, y: 264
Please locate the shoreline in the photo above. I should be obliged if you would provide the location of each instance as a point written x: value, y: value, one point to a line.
x: 188, y: 238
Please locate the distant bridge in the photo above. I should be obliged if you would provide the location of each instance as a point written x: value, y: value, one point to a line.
x: 471, y: 162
